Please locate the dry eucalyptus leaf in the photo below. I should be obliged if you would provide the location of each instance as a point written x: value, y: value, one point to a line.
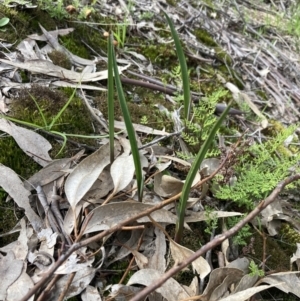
x: 246, y: 282
x: 85, y: 174
x: 158, y: 260
x: 81, y: 280
x: 140, y: 259
x: 48, y: 68
x: 290, y: 282
x: 180, y: 253
x: 123, y: 292
x: 11, y: 183
x: 33, y: 144
x: 20, y: 287
x: 10, y: 271
x: 90, y: 294
x: 49, y: 173
x: 122, y: 170
x: 225, y: 276
x: 21, y: 248
x: 296, y: 257
x: 55, y: 33
x: 71, y: 265
x: 102, y: 186
x: 247, y: 293
x: 109, y: 215
x: 163, y: 185
x: 241, y: 98
x: 170, y: 290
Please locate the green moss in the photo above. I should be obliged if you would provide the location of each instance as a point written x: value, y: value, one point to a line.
x: 162, y: 55
x: 204, y: 37
x: 74, y: 120
x: 71, y: 42
x: 278, y: 253
x: 172, y: 2
x: 60, y: 59
x: 146, y: 107
x: 8, y: 219
x: 290, y: 235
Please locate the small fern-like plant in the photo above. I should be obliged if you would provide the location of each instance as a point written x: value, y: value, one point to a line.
x: 259, y: 170
x: 203, y: 118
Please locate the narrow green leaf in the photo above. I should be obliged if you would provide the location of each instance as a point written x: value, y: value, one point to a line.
x: 183, y: 69
x: 110, y: 98
x: 40, y: 111
x: 62, y: 110
x: 64, y: 141
x: 32, y: 125
x: 192, y: 173
x: 130, y: 130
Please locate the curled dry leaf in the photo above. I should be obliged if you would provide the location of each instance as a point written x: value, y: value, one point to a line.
x: 71, y: 265
x: 180, y: 253
x: 20, y: 287
x: 246, y: 294
x: 225, y: 276
x: 49, y: 174
x: 11, y: 183
x: 168, y: 186
x: 171, y: 289
x: 10, y: 271
x: 241, y: 97
x: 123, y: 292
x: 33, y: 144
x: 86, y: 173
x: 289, y: 282
x: 107, y: 216
x: 158, y: 259
x: 81, y: 280
x: 122, y: 171
x: 90, y: 294
x: 296, y: 257
x: 48, y: 68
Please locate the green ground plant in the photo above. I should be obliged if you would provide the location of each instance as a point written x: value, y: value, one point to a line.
x: 203, y: 118
x: 260, y: 169
x: 255, y: 270
x: 120, y: 34
x: 241, y: 238
x: 52, y: 125
x: 3, y: 22
x: 58, y: 9
x: 211, y: 220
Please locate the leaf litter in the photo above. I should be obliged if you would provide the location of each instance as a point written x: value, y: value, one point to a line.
x: 83, y: 186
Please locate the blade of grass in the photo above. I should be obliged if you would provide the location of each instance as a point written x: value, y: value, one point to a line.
x: 32, y: 125
x: 192, y: 173
x: 110, y: 98
x: 62, y: 110
x: 130, y: 129
x: 183, y: 69
x: 40, y: 111
x: 64, y: 141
